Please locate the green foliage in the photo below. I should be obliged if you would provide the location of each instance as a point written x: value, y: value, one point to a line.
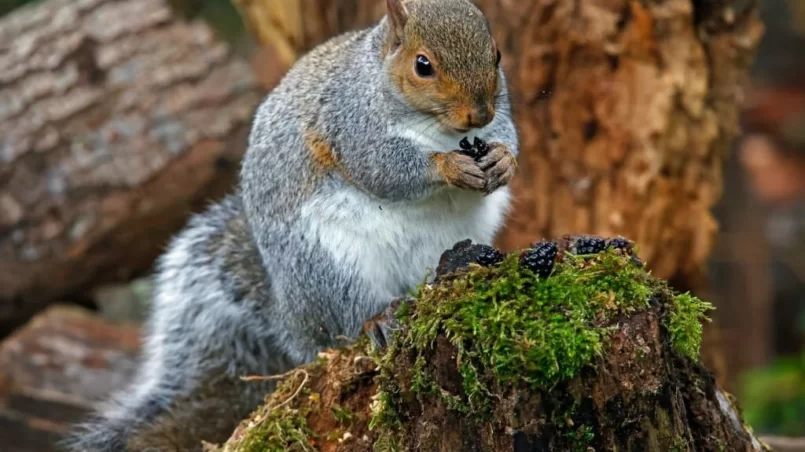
x: 773, y: 399
x: 684, y: 324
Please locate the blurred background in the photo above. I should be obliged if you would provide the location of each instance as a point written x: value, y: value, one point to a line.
x: 119, y: 118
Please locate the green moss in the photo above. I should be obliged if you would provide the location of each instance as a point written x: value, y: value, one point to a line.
x: 283, y: 429
x: 541, y: 331
x: 386, y: 418
x: 343, y: 416
x: 510, y: 327
x: 581, y: 438
x: 684, y: 323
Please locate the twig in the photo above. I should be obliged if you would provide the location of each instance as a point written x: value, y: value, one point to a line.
x: 267, y: 377
x: 293, y: 396
x: 296, y: 393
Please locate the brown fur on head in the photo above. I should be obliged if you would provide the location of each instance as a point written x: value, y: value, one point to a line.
x: 454, y: 37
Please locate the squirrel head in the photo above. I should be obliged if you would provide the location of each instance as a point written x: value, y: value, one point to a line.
x: 443, y: 58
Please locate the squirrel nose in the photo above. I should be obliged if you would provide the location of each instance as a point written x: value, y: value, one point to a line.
x: 479, y: 117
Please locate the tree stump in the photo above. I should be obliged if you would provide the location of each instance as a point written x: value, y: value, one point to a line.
x: 116, y: 120
x: 597, y: 356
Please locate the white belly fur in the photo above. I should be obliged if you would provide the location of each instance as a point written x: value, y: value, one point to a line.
x: 394, y: 244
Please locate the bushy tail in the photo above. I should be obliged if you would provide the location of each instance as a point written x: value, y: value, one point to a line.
x: 165, y: 418
x: 101, y: 435
x: 112, y: 428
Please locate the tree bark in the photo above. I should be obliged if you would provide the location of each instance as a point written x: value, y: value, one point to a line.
x: 640, y: 393
x: 116, y: 120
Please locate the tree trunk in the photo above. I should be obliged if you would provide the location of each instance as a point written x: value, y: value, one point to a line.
x: 488, y: 358
x: 116, y: 120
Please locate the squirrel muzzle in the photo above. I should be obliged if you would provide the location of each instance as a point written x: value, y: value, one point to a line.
x: 472, y: 117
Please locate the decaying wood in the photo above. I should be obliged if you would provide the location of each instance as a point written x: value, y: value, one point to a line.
x: 116, y: 120
x: 54, y: 370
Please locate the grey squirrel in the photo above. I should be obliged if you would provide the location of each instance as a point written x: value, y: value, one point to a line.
x: 352, y: 185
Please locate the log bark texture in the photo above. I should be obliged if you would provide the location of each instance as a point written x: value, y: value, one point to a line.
x: 55, y: 369
x: 116, y: 120
x: 625, y: 110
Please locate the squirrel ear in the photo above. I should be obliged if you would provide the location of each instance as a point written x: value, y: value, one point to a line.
x: 398, y: 16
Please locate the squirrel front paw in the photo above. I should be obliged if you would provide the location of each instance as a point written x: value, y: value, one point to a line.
x: 459, y: 170
x: 498, y: 166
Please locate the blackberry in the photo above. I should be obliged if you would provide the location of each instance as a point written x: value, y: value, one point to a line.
x: 589, y: 245
x: 619, y: 243
x: 465, y: 144
x: 481, y: 146
x: 539, y: 259
x: 476, y: 150
x: 488, y: 256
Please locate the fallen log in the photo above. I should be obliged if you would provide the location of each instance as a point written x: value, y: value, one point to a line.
x: 55, y: 369
x: 597, y: 356
x: 116, y: 120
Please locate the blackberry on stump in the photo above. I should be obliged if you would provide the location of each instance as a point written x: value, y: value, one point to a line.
x: 540, y: 258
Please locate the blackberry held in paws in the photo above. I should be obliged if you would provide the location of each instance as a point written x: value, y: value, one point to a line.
x: 477, y: 150
x: 349, y: 191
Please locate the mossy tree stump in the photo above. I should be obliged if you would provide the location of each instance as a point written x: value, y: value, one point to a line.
x: 599, y: 356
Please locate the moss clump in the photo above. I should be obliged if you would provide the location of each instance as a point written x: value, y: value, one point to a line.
x: 580, y: 438
x: 283, y: 429
x: 522, y: 328
x: 684, y: 324
x: 343, y: 416
x: 510, y: 327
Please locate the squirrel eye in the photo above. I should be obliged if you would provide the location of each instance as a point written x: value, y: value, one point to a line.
x: 423, y: 66
x: 497, y: 58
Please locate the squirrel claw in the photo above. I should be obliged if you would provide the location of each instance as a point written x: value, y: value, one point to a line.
x: 381, y: 327
x: 498, y: 166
